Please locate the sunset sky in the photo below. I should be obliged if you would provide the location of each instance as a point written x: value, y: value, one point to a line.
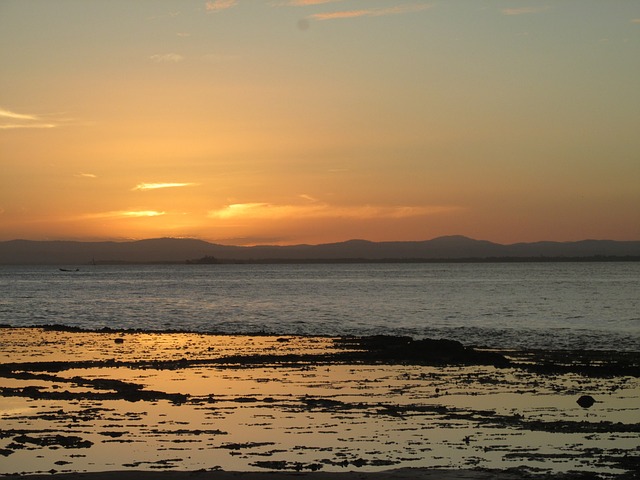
x: 312, y: 121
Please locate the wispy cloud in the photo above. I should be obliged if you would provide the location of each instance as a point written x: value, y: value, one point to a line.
x: 524, y: 10
x: 142, y: 213
x: 18, y: 116
x: 218, y: 5
x: 123, y: 214
x: 86, y: 175
x: 270, y: 211
x: 304, y: 196
x: 156, y: 186
x: 13, y: 126
x: 12, y: 120
x: 167, y: 58
x: 372, y: 12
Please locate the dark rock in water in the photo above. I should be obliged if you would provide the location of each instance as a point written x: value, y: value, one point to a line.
x: 69, y: 441
x: 586, y: 401
x: 111, y: 434
x: 430, y: 351
x: 119, y: 340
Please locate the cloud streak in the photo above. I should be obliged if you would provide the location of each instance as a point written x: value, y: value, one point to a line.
x: 156, y: 186
x: 524, y: 10
x: 167, y: 58
x: 12, y: 120
x: 14, y: 126
x: 268, y: 211
x: 123, y: 214
x: 219, y: 5
x: 371, y: 12
x: 17, y: 116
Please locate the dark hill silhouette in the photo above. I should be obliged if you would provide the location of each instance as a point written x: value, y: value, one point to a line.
x: 181, y: 250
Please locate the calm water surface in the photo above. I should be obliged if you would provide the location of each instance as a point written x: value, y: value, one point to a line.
x: 542, y: 305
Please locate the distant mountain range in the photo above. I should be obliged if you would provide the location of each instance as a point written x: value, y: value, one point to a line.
x: 172, y: 250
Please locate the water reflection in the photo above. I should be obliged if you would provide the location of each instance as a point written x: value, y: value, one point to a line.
x: 300, y: 416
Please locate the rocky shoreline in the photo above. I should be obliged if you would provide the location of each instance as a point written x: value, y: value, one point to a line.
x: 420, y: 408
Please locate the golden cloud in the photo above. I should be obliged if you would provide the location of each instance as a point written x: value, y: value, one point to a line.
x: 18, y: 116
x: 12, y: 120
x: 167, y: 58
x: 156, y: 186
x: 124, y: 214
x: 322, y: 210
x: 373, y: 12
x: 524, y: 10
x: 217, y: 5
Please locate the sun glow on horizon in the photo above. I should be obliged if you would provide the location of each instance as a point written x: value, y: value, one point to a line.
x: 311, y: 121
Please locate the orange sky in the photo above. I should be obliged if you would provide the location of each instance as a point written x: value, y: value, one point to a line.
x: 297, y: 121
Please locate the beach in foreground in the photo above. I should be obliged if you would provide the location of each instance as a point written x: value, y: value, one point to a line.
x: 399, y: 474
x: 186, y: 405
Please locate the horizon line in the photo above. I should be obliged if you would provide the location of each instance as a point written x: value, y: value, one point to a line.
x: 252, y: 245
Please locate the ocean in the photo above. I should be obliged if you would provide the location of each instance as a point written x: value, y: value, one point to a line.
x: 497, y: 305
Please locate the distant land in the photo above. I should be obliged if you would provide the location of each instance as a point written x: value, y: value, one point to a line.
x: 173, y: 250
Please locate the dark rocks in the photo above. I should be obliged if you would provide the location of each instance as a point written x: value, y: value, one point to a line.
x: 427, y: 351
x: 591, y: 363
x: 64, y: 441
x: 586, y: 401
x: 241, y: 446
x: 284, y: 465
x: 245, y: 399
x: 111, y: 434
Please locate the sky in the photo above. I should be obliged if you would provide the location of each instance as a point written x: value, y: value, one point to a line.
x: 312, y: 121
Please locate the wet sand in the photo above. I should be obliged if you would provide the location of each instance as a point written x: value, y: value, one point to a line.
x: 178, y: 405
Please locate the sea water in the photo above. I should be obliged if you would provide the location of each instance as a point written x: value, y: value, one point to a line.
x: 502, y: 305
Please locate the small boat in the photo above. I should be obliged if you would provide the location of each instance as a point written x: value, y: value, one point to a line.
x: 68, y: 270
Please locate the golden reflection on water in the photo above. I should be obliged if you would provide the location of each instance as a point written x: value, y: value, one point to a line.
x: 36, y: 344
x: 370, y: 417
